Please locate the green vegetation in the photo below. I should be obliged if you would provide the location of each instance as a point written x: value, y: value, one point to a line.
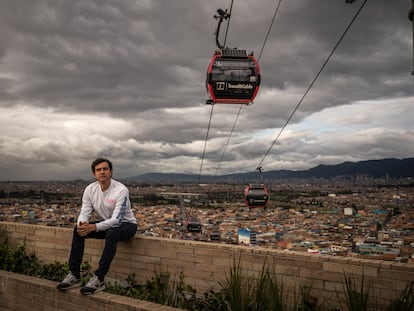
x: 262, y: 292
x: 405, y: 301
x: 239, y: 291
x: 161, y: 289
x: 357, y: 298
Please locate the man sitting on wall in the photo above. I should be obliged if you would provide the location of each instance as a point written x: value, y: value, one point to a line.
x: 108, y: 200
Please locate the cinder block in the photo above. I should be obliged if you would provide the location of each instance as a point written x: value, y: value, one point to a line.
x: 175, y: 264
x: 26, y: 229
x: 346, y: 269
x: 186, y: 257
x: 177, y: 248
x: 391, y: 274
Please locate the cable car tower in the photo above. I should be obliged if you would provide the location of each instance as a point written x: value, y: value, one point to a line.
x: 188, y: 219
x: 233, y: 75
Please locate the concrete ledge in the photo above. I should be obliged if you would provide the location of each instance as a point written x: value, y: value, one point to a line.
x: 25, y: 293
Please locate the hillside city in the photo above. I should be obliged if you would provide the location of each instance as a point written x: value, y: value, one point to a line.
x: 359, y: 217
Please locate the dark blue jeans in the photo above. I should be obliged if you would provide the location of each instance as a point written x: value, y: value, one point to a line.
x: 112, y: 236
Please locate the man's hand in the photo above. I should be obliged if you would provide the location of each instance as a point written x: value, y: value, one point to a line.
x: 84, y: 228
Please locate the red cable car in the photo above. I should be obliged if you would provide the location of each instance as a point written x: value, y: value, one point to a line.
x: 233, y: 77
x: 257, y: 195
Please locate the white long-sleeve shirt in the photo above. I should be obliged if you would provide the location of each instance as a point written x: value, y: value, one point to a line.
x: 112, y: 206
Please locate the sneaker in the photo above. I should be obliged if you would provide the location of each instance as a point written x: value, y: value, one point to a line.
x: 93, y: 286
x: 70, y: 281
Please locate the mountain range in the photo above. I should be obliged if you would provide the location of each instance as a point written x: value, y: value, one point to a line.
x: 385, y: 168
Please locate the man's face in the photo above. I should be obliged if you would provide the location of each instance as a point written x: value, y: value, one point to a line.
x: 102, y: 172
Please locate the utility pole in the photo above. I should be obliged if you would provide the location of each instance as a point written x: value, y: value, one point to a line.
x: 410, y: 17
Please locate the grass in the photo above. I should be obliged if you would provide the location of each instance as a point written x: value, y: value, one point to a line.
x: 357, y: 298
x: 404, y: 301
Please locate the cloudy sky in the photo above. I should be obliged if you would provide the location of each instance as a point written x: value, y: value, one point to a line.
x: 125, y: 79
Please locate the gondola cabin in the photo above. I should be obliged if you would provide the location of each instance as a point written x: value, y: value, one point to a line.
x: 257, y: 195
x: 193, y: 226
x: 233, y: 77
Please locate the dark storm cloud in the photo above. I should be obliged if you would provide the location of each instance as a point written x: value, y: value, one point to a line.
x: 125, y: 79
x: 89, y: 55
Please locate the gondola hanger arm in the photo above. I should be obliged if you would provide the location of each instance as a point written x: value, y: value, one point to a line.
x: 221, y: 15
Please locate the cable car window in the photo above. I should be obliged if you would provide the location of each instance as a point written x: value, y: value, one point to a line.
x: 237, y: 75
x: 217, y: 75
x: 233, y: 71
x: 256, y: 191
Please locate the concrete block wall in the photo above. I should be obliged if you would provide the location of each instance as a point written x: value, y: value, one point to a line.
x: 205, y: 265
x: 24, y: 293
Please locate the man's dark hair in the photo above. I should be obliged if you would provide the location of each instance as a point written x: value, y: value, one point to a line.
x: 99, y: 161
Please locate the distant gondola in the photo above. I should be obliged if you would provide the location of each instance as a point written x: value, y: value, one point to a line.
x: 233, y: 77
x: 256, y: 195
x: 193, y: 226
